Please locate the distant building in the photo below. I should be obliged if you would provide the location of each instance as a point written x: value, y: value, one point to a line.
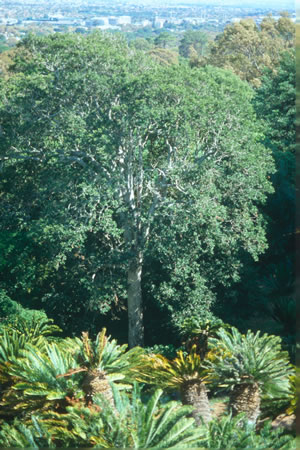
x: 158, y: 22
x: 144, y: 23
x: 124, y: 20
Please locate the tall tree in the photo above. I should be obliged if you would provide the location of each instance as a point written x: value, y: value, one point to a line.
x: 118, y: 148
x: 267, y: 286
x: 165, y: 40
x: 193, y: 41
x: 246, y: 48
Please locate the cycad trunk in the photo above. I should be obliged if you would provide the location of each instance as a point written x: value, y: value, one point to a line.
x: 194, y: 393
x: 135, y: 304
x: 245, y: 398
x: 96, y: 382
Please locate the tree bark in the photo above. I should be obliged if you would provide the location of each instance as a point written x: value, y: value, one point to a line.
x: 194, y: 393
x: 135, y: 303
x: 246, y: 398
x: 96, y: 382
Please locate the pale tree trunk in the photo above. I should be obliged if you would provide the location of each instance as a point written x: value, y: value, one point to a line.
x: 135, y: 304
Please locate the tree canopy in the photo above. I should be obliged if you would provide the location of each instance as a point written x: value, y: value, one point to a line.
x: 136, y: 179
x: 246, y: 48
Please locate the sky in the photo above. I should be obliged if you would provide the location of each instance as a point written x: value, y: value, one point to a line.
x: 255, y: 3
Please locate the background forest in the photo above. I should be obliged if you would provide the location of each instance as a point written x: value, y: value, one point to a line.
x: 147, y: 189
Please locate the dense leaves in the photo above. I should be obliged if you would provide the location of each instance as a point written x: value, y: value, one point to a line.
x: 123, y: 160
x: 246, y: 48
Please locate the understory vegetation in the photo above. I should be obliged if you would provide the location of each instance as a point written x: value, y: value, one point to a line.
x: 71, y: 392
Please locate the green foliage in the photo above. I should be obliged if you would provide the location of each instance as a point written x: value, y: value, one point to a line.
x: 195, y: 325
x: 193, y: 41
x: 36, y: 381
x: 33, y: 326
x: 275, y: 102
x: 264, y: 299
x: 251, y: 358
x: 18, y: 435
x: 164, y: 56
x: 172, y: 374
x: 104, y: 354
x: 197, y: 331
x: 230, y: 433
x: 71, y: 209
x: 135, y: 424
x: 165, y: 40
x: 168, y: 351
x: 149, y: 425
x: 247, y: 49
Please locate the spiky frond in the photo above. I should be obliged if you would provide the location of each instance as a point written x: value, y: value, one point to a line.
x: 132, y: 424
x: 160, y: 371
x: 35, y: 379
x: 34, y: 327
x: 234, y: 433
x: 104, y: 354
x: 250, y: 358
x: 19, y: 435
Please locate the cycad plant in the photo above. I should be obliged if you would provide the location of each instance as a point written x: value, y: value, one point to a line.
x: 34, y: 327
x: 185, y: 374
x: 250, y: 365
x: 132, y: 423
x: 235, y: 433
x: 104, y: 361
x: 196, y: 331
x: 19, y: 435
x: 35, y: 383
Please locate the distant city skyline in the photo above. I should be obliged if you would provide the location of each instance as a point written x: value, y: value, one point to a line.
x: 242, y: 3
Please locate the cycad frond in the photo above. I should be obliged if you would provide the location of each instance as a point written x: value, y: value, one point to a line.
x: 171, y: 374
x: 19, y: 435
x: 35, y: 378
x: 34, y: 327
x: 12, y: 348
x: 149, y: 425
x: 105, y: 355
x: 234, y: 433
x: 131, y: 424
x: 250, y: 358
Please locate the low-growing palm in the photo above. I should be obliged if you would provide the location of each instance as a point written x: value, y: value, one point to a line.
x: 250, y: 365
x: 43, y: 376
x: 131, y: 424
x: 15, y: 337
x: 197, y: 332
x: 19, y: 435
x: 35, y: 383
x: 34, y: 328
x: 234, y: 433
x: 103, y: 361
x: 185, y: 374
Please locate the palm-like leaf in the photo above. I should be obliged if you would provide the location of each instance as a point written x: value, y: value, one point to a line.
x: 132, y: 424
x: 34, y: 328
x: 36, y: 379
x: 185, y: 374
x: 105, y: 355
x: 19, y: 435
x: 250, y: 358
x: 234, y: 433
x: 172, y: 374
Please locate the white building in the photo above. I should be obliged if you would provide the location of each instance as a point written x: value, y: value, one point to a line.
x: 158, y: 22
x: 124, y: 20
